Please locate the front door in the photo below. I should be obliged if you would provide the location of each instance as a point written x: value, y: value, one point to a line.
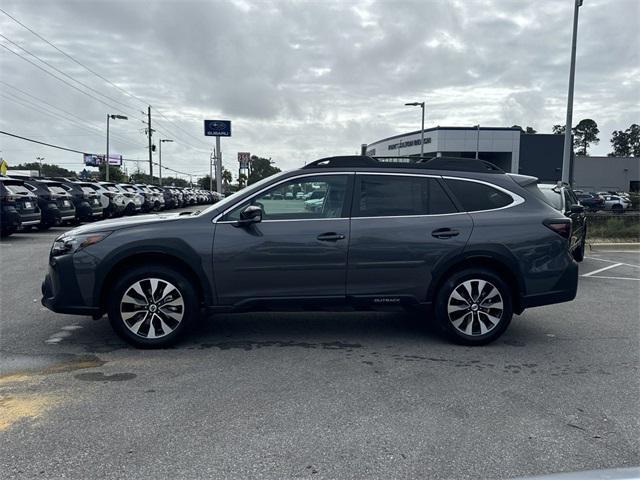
x: 298, y: 249
x: 402, y: 226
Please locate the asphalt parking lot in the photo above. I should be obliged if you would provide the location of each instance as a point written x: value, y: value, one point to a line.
x: 320, y: 395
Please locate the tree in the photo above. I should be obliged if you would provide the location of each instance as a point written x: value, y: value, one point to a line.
x: 529, y: 130
x: 584, y: 134
x: 620, y: 143
x: 558, y: 129
x: 226, y: 179
x: 48, y: 170
x: 204, y: 182
x: 174, y: 181
x: 260, y: 168
x: 626, y: 143
x: 634, y: 139
x: 242, y: 180
x: 115, y: 173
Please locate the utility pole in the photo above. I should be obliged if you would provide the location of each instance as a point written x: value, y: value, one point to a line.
x: 477, y: 141
x: 106, y: 158
x: 150, y: 146
x: 218, y: 166
x: 211, y: 157
x: 566, y: 156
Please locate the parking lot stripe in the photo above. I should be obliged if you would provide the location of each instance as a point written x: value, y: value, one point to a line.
x: 602, y: 269
x: 612, y: 278
x: 611, y: 261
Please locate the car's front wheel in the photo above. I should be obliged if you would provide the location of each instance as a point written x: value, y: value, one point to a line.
x: 151, y: 306
x: 474, y: 306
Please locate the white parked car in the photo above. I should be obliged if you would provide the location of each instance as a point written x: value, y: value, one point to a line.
x: 616, y: 203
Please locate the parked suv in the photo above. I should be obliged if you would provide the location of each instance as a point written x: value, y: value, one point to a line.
x: 19, y: 207
x: 55, y: 203
x: 85, y: 199
x: 562, y: 198
x: 458, y: 237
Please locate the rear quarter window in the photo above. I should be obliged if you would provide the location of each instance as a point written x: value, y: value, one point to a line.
x: 474, y: 196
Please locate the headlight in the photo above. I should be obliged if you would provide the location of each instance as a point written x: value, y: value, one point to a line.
x: 69, y: 243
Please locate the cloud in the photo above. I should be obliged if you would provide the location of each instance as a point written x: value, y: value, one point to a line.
x: 303, y: 79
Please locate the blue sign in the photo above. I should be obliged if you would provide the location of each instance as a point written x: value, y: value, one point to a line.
x: 217, y: 128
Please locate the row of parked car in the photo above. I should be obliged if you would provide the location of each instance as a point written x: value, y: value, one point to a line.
x: 617, y: 202
x: 36, y: 202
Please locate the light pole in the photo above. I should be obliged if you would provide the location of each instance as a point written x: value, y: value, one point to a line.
x: 113, y: 117
x: 566, y: 156
x: 160, y: 160
x: 39, y: 159
x: 421, y: 104
x: 477, y: 141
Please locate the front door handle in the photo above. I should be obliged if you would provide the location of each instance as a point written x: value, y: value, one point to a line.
x: 331, y: 237
x: 445, y: 233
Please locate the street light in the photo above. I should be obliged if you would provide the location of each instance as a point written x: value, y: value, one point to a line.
x: 39, y: 159
x: 566, y: 156
x: 113, y: 117
x: 420, y: 104
x: 160, y: 160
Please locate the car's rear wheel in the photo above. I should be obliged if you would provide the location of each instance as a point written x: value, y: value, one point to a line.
x: 474, y: 306
x: 151, y: 306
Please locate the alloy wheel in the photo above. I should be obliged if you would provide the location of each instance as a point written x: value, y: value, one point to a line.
x: 475, y: 307
x: 152, y: 308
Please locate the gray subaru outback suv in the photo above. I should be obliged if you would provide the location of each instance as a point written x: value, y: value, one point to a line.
x: 465, y: 241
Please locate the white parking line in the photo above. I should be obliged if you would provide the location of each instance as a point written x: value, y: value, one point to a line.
x: 602, y: 269
x: 613, y: 278
x: 611, y: 261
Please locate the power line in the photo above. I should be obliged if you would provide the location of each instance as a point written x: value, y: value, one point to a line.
x: 72, y: 58
x: 58, y: 78
x: 67, y: 75
x: 85, y: 153
x: 81, y: 123
x: 126, y: 92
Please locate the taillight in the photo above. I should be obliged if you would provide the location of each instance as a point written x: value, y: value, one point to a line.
x: 562, y: 226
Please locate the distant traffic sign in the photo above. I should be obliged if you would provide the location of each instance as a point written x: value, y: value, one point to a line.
x: 217, y: 128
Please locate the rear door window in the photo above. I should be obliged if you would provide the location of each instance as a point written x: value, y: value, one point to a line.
x: 400, y: 195
x: 474, y: 196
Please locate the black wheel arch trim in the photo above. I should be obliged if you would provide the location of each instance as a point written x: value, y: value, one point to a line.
x: 496, y: 256
x: 172, y: 251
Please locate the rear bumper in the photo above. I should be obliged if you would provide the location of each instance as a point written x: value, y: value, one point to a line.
x: 564, y: 290
x: 67, y: 298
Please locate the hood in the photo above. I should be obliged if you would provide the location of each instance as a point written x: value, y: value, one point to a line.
x: 126, y: 222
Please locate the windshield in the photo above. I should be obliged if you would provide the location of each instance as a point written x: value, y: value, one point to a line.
x: 552, y: 196
x: 228, y: 201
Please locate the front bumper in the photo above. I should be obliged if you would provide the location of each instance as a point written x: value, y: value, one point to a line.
x: 60, y: 289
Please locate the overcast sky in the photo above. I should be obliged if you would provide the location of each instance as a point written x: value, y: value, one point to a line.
x: 302, y: 80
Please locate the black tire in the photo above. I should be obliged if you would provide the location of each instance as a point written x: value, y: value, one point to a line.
x: 5, y: 232
x: 495, y: 329
x: 141, y: 274
x: 44, y: 226
x: 617, y: 209
x: 578, y: 253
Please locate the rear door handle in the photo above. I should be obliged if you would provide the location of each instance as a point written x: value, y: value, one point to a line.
x: 445, y: 233
x: 331, y: 237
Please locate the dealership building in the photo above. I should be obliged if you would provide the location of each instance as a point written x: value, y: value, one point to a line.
x: 539, y: 155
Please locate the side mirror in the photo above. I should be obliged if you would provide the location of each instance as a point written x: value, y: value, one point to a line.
x: 576, y: 208
x: 250, y: 214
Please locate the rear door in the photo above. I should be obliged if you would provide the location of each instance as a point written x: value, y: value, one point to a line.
x: 402, y: 225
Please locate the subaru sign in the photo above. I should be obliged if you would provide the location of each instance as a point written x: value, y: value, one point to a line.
x: 217, y: 128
